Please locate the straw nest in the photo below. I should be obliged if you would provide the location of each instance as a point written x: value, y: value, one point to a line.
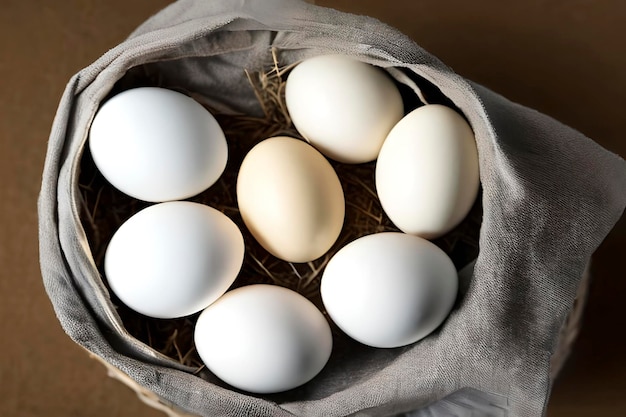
x: 104, y: 209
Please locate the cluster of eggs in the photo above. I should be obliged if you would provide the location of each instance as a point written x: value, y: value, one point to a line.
x: 176, y: 258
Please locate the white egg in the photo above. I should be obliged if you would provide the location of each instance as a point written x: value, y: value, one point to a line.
x: 427, y: 175
x: 290, y: 199
x: 263, y: 339
x: 342, y: 106
x: 157, y: 145
x: 389, y: 289
x: 173, y: 259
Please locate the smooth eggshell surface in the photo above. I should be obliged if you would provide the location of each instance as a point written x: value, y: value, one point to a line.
x: 173, y: 259
x: 290, y: 199
x: 389, y: 289
x: 157, y: 145
x: 342, y: 106
x: 263, y: 339
x: 427, y: 175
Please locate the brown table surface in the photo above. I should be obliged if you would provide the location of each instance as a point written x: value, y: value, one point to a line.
x: 565, y: 58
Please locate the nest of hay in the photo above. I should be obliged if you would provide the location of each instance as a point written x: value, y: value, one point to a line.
x: 104, y: 209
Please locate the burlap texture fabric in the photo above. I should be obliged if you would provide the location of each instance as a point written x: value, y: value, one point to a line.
x: 549, y: 194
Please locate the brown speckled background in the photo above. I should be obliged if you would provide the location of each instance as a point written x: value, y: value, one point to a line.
x: 563, y: 57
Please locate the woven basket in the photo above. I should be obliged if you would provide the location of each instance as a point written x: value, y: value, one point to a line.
x: 510, y: 344
x: 104, y: 209
x: 358, y: 182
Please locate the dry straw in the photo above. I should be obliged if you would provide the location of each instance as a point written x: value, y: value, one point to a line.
x: 104, y: 209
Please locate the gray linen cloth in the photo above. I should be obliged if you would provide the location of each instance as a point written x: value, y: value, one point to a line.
x: 550, y: 196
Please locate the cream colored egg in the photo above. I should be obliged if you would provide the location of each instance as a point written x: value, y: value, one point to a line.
x: 342, y: 106
x: 427, y: 175
x: 290, y: 199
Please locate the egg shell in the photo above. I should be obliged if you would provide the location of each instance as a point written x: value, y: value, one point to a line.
x: 157, y: 145
x: 290, y: 199
x: 173, y: 259
x: 342, y: 106
x: 389, y: 289
x: 263, y: 339
x: 427, y: 174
